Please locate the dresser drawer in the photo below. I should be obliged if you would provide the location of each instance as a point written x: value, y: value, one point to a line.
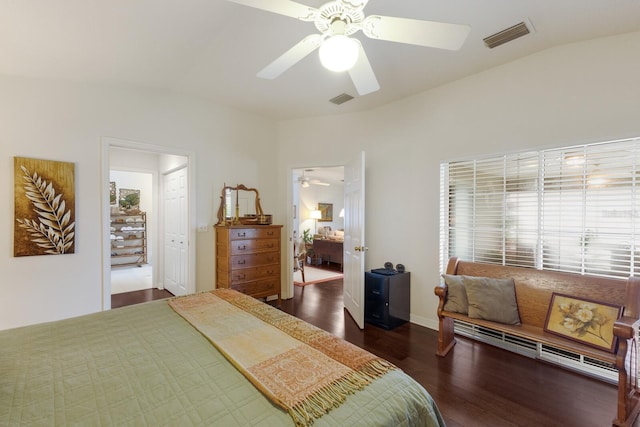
x: 267, y: 271
x: 257, y: 245
x: 250, y: 274
x: 254, y: 260
x: 254, y: 233
x: 259, y: 288
x: 243, y: 275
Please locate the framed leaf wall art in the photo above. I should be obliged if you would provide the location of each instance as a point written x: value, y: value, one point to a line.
x: 44, y: 207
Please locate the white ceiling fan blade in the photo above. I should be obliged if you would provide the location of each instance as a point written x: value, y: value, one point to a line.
x: 282, y: 7
x: 317, y: 182
x: 362, y: 74
x: 355, y: 4
x: 412, y: 31
x: 291, y: 57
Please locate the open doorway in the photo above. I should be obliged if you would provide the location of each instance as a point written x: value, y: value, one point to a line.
x: 318, y: 224
x: 135, y: 218
x: 352, y: 183
x: 132, y: 226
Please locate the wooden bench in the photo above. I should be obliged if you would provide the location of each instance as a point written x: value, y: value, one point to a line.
x: 534, y: 289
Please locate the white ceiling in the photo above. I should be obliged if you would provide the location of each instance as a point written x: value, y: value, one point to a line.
x: 214, y: 48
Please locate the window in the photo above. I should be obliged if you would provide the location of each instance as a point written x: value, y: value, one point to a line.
x: 573, y: 209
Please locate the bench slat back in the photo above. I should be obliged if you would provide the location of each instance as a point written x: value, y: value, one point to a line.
x: 535, y: 287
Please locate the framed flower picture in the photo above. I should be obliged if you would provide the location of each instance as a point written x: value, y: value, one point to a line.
x: 586, y: 321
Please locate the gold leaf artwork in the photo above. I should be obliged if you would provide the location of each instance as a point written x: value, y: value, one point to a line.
x: 44, y: 207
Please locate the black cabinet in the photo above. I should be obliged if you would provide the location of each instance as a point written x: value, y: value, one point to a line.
x: 387, y: 299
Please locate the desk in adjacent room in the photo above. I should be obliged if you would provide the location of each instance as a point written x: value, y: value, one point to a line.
x: 329, y: 250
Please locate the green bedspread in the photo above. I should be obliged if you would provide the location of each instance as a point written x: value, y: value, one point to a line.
x: 145, y: 366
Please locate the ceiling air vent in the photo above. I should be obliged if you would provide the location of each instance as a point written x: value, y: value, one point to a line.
x: 507, y: 35
x: 341, y: 99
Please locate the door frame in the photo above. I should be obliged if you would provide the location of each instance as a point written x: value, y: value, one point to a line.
x: 109, y: 142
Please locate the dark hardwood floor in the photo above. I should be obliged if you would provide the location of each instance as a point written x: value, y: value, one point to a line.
x: 475, y: 385
x: 136, y: 297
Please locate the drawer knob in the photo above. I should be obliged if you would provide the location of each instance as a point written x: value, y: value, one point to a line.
x: 242, y: 262
x: 242, y: 247
x: 243, y: 234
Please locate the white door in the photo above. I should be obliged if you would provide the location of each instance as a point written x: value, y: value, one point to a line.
x: 354, y: 244
x: 176, y: 242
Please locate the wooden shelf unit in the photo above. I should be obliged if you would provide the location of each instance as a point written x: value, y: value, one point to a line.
x: 130, y: 244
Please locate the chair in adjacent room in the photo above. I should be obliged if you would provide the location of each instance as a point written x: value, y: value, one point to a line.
x: 299, y: 259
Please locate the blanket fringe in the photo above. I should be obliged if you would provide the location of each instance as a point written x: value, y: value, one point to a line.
x: 328, y: 397
x: 377, y: 368
x: 334, y: 394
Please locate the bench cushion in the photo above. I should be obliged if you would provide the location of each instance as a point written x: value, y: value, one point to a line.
x: 457, y: 301
x: 492, y: 299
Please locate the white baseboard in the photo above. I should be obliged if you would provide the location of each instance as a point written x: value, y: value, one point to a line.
x: 424, y: 321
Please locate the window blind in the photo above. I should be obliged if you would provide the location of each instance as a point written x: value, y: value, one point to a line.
x: 571, y: 209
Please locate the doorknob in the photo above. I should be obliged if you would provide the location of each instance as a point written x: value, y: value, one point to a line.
x: 361, y: 249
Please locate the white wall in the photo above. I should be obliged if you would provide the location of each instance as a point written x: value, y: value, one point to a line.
x: 310, y: 197
x: 578, y: 93
x: 66, y: 121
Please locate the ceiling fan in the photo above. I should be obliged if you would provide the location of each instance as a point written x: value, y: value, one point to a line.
x: 305, y: 181
x: 337, y: 21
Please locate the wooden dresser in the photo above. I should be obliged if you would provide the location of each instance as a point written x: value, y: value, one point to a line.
x: 248, y: 259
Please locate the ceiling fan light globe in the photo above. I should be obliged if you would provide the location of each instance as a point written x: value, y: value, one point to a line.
x: 339, y: 53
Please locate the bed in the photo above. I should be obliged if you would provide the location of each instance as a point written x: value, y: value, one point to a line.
x: 151, y: 364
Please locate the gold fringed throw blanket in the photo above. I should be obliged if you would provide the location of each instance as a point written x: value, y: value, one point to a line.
x: 301, y: 368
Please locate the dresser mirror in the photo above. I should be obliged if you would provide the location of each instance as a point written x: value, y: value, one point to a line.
x: 238, y: 205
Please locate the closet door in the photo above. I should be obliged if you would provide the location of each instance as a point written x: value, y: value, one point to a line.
x: 176, y: 242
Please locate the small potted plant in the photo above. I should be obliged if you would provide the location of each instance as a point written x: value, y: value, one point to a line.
x: 307, y: 238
